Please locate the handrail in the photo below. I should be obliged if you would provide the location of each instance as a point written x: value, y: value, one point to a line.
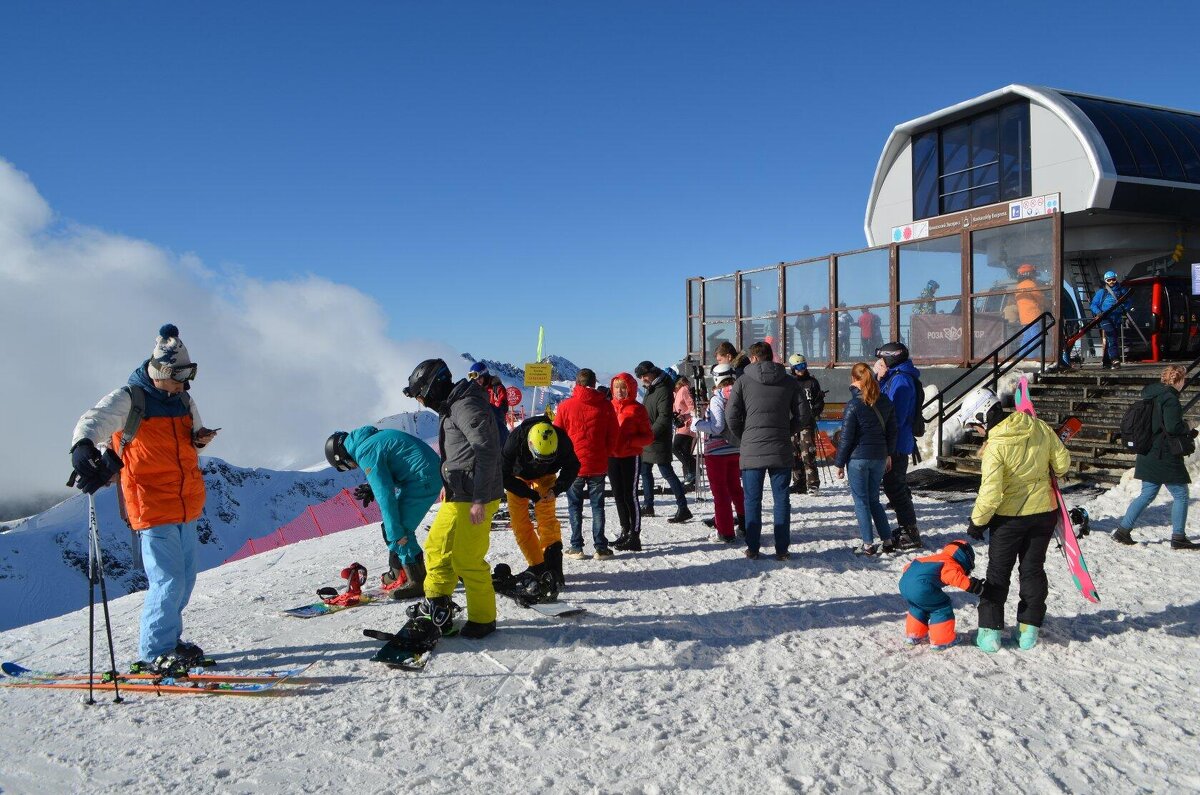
x: 1045, y: 322
x: 1192, y: 382
x: 1123, y: 304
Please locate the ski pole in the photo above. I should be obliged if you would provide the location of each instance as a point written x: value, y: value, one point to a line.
x: 91, y: 602
x: 99, y: 562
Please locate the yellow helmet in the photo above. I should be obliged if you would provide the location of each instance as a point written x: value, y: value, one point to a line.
x: 543, y: 441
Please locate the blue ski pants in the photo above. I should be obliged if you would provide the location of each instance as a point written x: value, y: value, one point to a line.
x: 169, y: 555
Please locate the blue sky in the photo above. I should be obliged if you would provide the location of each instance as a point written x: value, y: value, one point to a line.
x: 480, y: 168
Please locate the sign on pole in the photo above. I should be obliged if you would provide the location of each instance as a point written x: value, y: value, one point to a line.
x: 538, y: 374
x: 514, y: 396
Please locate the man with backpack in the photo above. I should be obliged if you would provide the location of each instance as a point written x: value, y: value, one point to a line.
x: 901, y: 382
x: 150, y: 431
x: 805, y: 479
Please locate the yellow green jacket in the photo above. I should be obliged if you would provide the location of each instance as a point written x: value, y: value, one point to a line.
x: 1017, y: 459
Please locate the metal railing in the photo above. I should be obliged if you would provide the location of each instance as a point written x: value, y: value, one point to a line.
x: 1043, y: 323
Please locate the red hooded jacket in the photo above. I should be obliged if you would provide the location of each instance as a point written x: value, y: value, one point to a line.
x: 591, y: 424
x: 634, y: 431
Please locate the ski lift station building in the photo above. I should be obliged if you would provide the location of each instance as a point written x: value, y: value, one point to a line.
x: 1068, y: 183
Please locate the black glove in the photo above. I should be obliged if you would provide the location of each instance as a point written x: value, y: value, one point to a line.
x: 537, y: 495
x: 93, y: 471
x: 975, y: 531
x: 364, y: 494
x: 976, y: 586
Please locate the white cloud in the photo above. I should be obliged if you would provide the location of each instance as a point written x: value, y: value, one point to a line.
x: 282, y: 363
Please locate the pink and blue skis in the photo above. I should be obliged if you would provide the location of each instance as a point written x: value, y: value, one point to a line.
x: 1063, y: 531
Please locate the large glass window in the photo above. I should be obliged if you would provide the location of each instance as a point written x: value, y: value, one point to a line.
x: 719, y: 295
x: 1146, y: 142
x: 999, y: 316
x: 716, y: 332
x: 806, y: 285
x: 861, y: 331
x: 808, y: 335
x: 864, y: 278
x: 997, y: 254
x: 931, y: 268
x: 760, y: 292
x: 978, y: 161
x: 933, y: 330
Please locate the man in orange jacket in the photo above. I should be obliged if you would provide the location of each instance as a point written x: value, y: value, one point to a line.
x: 162, y: 489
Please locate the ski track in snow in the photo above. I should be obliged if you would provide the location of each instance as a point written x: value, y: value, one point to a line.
x: 694, y: 669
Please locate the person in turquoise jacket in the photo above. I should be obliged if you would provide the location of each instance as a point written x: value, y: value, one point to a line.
x: 404, y: 475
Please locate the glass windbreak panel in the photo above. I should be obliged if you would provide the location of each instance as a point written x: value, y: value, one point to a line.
x: 931, y: 269
x: 933, y: 329
x: 695, y: 334
x: 761, y: 330
x: 861, y: 331
x: 1188, y: 150
x: 925, y: 175
x: 695, y: 286
x: 1168, y: 161
x: 998, y: 317
x: 714, y: 335
x: 806, y: 286
x: 808, y: 335
x: 1014, y: 151
x: 760, y: 292
x: 718, y: 298
x: 864, y: 278
x: 998, y: 254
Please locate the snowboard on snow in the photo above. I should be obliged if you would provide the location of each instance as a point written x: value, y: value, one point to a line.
x: 1063, y: 531
x: 325, y: 608
x: 17, y: 676
x: 505, y: 584
x: 399, y: 654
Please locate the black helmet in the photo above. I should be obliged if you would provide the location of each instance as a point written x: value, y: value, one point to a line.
x: 430, y: 382
x: 894, y: 353
x: 335, y: 452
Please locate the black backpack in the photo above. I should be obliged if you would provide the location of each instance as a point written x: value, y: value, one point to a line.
x: 918, y: 418
x: 1137, y: 426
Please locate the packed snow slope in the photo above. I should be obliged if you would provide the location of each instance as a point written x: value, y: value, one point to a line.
x: 694, y: 670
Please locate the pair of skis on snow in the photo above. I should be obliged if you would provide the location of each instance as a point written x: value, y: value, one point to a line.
x: 196, y: 682
x: 1063, y: 531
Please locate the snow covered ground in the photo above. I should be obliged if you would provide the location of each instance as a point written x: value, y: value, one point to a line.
x: 694, y: 670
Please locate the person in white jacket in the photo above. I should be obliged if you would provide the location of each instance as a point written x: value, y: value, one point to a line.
x: 721, y: 459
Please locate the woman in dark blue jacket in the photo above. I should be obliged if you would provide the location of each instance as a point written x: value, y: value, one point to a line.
x: 868, y: 439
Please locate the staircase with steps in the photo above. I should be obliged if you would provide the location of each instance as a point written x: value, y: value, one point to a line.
x: 1099, y: 398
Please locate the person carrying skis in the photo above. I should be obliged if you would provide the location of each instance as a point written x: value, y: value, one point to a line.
x: 402, y: 474
x: 161, y: 487
x: 1165, y: 464
x: 588, y: 420
x: 930, y: 612
x: 721, y: 459
x: 458, y: 540
x: 538, y: 464
x: 899, y: 380
x: 805, y: 478
x: 633, y: 434
x: 1112, y: 294
x: 1016, y: 504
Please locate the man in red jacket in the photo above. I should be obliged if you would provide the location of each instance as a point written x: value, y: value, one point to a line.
x: 591, y: 424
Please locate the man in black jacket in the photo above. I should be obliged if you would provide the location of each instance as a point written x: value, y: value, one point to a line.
x: 765, y: 409
x: 805, y: 479
x: 659, y: 405
x: 539, y: 465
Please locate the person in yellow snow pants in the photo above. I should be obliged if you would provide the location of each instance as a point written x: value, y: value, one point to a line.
x: 456, y: 549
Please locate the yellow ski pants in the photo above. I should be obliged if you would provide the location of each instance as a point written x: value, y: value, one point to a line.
x: 457, y: 549
x: 549, y: 530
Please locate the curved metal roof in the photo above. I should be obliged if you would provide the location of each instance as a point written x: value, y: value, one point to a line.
x: 1123, y: 141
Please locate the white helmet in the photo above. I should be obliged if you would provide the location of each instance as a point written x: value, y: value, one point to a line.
x: 978, y: 408
x: 722, y: 371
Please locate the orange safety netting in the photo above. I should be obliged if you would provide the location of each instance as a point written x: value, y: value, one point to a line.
x: 341, y: 512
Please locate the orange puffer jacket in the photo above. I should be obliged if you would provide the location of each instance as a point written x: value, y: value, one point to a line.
x: 161, y: 481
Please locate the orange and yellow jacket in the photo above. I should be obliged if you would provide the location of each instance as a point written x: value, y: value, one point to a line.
x: 161, y: 482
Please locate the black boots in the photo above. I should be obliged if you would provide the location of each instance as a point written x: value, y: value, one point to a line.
x: 415, y: 587
x: 477, y: 629
x: 631, y: 543
x: 553, y: 556
x: 681, y: 516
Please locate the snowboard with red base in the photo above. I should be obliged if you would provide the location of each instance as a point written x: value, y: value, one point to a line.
x: 1063, y: 531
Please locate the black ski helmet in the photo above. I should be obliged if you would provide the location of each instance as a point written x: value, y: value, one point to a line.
x: 335, y: 452
x: 893, y: 353
x: 430, y: 381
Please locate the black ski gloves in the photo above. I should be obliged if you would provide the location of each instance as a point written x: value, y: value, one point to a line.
x: 976, y: 586
x: 364, y: 494
x: 92, y: 470
x: 975, y: 531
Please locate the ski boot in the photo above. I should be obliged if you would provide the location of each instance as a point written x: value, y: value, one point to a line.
x: 478, y: 629
x: 192, y: 655
x: 1027, y: 636
x: 988, y: 640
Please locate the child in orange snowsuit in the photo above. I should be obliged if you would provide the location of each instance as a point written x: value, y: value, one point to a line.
x: 930, y: 613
